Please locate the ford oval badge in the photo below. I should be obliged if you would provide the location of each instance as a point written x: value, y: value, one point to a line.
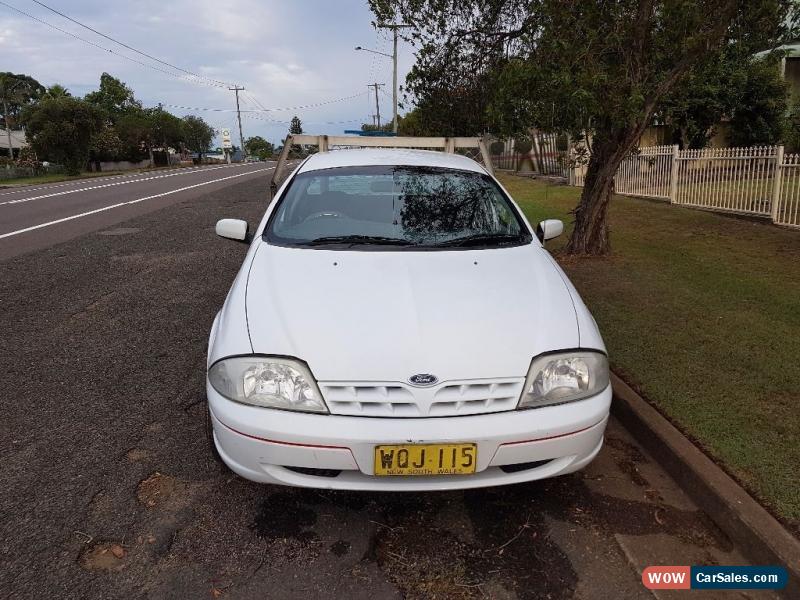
x: 423, y: 379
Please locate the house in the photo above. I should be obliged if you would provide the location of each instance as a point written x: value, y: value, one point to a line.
x: 17, y: 140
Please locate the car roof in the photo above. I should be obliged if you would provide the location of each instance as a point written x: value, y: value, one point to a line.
x: 358, y: 157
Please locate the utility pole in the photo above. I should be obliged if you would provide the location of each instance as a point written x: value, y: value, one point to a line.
x: 237, y: 89
x: 6, y: 95
x: 394, y: 29
x: 8, y: 129
x: 377, y: 103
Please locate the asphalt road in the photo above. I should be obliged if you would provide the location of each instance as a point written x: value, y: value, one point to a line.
x: 33, y: 217
x: 109, y: 489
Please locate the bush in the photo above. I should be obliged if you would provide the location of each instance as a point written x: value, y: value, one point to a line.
x: 496, y: 148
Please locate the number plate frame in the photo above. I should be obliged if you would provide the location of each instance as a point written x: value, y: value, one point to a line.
x: 404, y: 460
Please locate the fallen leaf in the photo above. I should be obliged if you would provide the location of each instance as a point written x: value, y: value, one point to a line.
x: 117, y: 550
x: 215, y: 593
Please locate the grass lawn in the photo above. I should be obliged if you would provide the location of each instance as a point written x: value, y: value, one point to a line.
x: 701, y: 314
x: 57, y: 178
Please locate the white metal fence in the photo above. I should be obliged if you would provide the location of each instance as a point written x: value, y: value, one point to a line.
x: 647, y: 171
x: 755, y: 181
x: 548, y: 155
x: 787, y: 210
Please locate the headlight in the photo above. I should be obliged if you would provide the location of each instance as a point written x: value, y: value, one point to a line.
x: 564, y: 377
x: 267, y: 381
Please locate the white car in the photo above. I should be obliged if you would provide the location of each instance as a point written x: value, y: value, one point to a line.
x: 398, y: 325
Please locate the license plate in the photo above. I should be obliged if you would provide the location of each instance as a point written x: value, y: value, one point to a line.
x: 425, y: 459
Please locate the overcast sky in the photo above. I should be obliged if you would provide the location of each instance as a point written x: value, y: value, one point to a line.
x: 285, y: 53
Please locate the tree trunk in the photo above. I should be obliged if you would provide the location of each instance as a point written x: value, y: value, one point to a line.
x: 590, y: 236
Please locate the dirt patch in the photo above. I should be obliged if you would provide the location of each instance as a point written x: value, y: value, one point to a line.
x: 103, y: 556
x: 627, y: 456
x: 427, y: 562
x: 157, y: 489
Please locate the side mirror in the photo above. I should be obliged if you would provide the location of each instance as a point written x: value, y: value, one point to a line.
x: 549, y: 229
x: 234, y: 229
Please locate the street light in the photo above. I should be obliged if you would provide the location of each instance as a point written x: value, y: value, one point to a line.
x: 393, y: 56
x: 374, y: 51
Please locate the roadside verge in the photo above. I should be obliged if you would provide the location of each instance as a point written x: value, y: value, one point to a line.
x: 759, y: 535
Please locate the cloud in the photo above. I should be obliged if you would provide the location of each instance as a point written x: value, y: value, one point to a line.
x: 284, y: 53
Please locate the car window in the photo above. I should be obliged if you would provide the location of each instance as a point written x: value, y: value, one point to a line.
x: 395, y: 207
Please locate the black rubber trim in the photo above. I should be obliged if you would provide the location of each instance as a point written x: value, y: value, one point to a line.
x: 524, y: 466
x: 329, y: 473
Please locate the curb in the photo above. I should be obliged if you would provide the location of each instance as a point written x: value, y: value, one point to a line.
x: 759, y: 535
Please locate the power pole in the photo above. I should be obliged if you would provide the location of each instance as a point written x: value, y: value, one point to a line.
x: 8, y: 129
x: 237, y: 89
x: 394, y: 29
x: 377, y: 103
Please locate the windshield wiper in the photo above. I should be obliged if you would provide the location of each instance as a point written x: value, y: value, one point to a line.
x: 480, y: 239
x: 360, y: 239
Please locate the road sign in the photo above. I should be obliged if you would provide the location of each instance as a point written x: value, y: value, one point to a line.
x: 226, y: 139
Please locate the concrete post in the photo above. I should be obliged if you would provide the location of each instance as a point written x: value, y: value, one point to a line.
x: 673, y: 178
x: 776, y: 187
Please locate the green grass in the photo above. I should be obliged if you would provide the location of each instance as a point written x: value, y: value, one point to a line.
x: 701, y: 313
x: 57, y: 178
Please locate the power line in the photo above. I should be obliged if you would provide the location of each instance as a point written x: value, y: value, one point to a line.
x: 84, y: 40
x: 124, y: 45
x: 268, y: 110
x: 312, y: 105
x: 256, y: 115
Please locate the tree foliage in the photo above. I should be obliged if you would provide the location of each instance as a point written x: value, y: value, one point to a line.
x: 574, y: 66
x: 108, y: 124
x: 296, y: 126
x: 759, y: 117
x: 16, y: 92
x: 258, y: 146
x: 61, y: 130
x: 56, y: 91
x: 747, y: 91
x: 114, y: 97
x: 198, y: 134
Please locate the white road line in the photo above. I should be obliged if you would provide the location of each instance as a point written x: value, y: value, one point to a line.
x: 108, y: 185
x: 51, y: 186
x: 105, y: 208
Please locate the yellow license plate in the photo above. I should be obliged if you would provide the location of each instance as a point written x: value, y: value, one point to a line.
x: 425, y: 459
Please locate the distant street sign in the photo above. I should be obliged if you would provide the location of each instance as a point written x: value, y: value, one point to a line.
x: 226, y: 139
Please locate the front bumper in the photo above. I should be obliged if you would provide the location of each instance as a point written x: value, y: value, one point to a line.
x: 265, y: 445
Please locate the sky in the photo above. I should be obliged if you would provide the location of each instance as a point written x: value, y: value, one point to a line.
x: 285, y: 53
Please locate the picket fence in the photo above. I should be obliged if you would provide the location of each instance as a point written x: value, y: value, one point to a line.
x: 760, y: 181
x: 544, y: 158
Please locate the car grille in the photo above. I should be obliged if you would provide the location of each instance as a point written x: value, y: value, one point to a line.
x: 447, y: 399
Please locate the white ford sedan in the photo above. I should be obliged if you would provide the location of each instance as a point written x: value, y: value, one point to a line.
x: 398, y: 325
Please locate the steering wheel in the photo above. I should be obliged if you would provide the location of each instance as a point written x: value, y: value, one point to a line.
x: 323, y: 215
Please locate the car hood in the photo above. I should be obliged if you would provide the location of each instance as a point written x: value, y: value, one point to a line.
x: 387, y: 315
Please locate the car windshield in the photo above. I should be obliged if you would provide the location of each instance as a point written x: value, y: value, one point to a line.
x: 395, y: 207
